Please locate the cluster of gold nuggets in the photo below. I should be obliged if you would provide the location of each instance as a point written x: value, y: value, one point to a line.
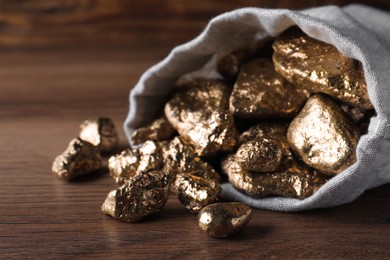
x: 273, y: 127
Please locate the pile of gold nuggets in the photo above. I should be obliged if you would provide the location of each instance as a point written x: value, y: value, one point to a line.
x: 286, y: 118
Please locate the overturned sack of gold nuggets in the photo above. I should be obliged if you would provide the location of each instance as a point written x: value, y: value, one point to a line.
x: 143, y: 195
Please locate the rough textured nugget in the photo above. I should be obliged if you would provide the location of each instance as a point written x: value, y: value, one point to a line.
x: 200, y: 106
x: 100, y: 132
x: 264, y: 148
x: 264, y: 155
x: 79, y: 158
x: 216, y: 134
x: 260, y: 92
x: 145, y: 194
x: 320, y: 67
x: 128, y: 163
x: 196, y: 192
x: 180, y: 158
x: 221, y: 220
x: 297, y: 181
x: 274, y: 130
x: 160, y: 129
x: 324, y: 136
x: 230, y: 64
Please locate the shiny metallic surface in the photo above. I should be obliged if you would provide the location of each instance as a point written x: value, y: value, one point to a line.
x: 145, y: 194
x: 274, y: 130
x: 264, y: 155
x: 160, y: 129
x: 128, y: 163
x: 221, y: 220
x: 320, y: 67
x: 197, y: 113
x: 180, y: 158
x: 324, y: 136
x: 100, y: 132
x: 80, y: 158
x: 216, y: 134
x: 297, y: 181
x: 229, y: 65
x: 195, y: 192
x: 260, y: 92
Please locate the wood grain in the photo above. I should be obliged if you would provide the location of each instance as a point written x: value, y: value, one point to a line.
x: 79, y: 59
x: 41, y: 22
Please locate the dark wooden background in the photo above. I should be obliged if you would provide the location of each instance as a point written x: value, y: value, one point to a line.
x: 64, y: 61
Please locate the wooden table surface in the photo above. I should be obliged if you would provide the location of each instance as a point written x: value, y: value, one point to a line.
x: 45, y: 93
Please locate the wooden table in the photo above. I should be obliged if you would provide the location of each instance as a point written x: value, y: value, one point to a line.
x: 46, y: 93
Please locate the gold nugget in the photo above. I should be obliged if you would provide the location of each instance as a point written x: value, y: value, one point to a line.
x: 196, y: 192
x: 324, y: 136
x: 201, y: 107
x: 320, y: 67
x: 78, y: 159
x: 230, y: 64
x: 180, y: 158
x: 100, y: 132
x: 160, y: 129
x: 297, y: 181
x: 264, y: 148
x: 260, y: 92
x: 145, y: 194
x: 221, y: 220
x: 128, y: 163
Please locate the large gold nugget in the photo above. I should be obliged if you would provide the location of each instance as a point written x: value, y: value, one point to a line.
x: 198, y: 107
x: 260, y: 92
x: 320, y: 67
x: 216, y: 134
x: 323, y: 136
x: 297, y: 181
x: 125, y: 165
x: 100, y: 132
x: 196, y: 192
x: 79, y: 158
x: 181, y: 158
x: 145, y: 194
x: 160, y: 129
x: 221, y: 220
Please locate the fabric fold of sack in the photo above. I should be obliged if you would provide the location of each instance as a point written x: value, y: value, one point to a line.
x: 357, y: 31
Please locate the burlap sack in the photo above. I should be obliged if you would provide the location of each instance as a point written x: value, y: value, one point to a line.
x: 357, y: 31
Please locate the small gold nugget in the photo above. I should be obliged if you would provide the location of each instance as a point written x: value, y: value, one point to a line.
x: 264, y: 148
x: 297, y: 181
x: 203, y: 106
x: 160, y: 129
x: 221, y: 220
x: 260, y: 92
x: 100, y: 132
x: 264, y: 155
x: 196, y: 192
x: 324, y: 136
x: 128, y: 163
x: 180, y: 158
x: 320, y: 67
x: 145, y: 194
x: 78, y: 159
